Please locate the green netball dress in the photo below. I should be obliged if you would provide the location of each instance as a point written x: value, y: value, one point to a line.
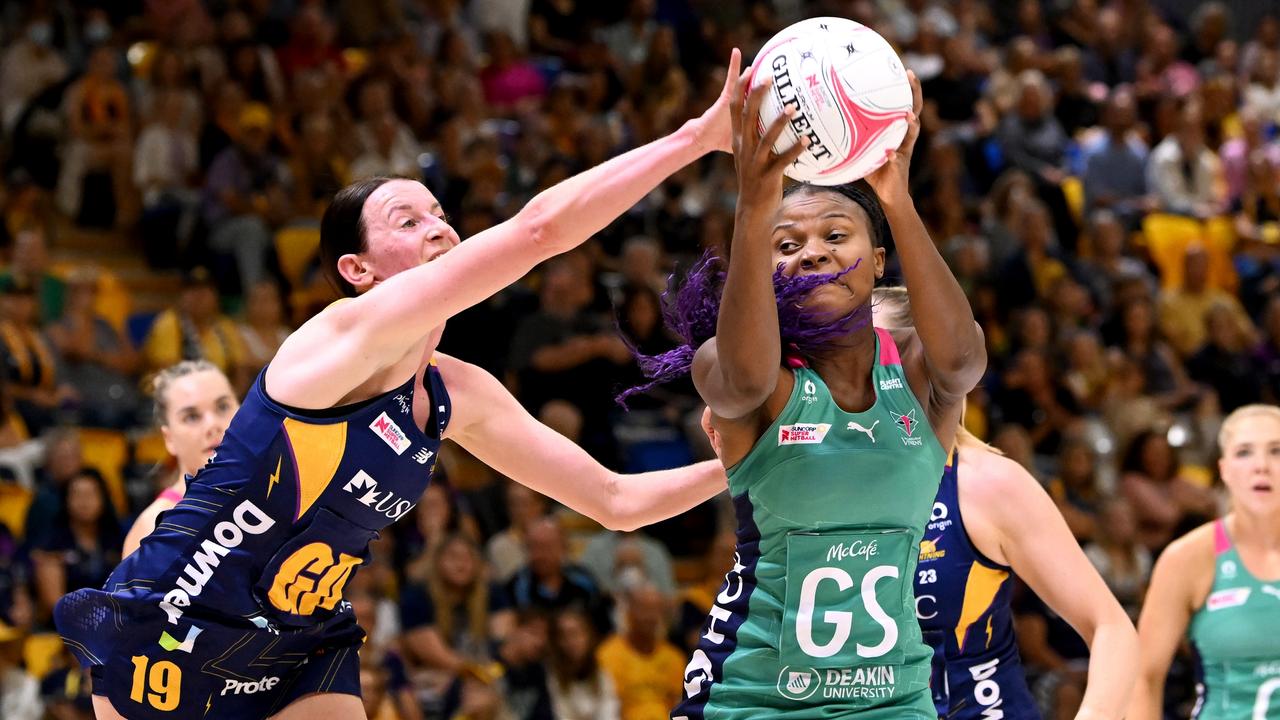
x: 817, y: 617
x: 1234, y: 635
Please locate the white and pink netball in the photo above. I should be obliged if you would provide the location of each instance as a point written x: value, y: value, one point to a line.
x: 850, y: 93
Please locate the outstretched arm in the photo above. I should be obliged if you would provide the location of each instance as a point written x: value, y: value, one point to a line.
x: 1036, y: 542
x: 490, y: 424
x: 342, y: 346
x: 737, y: 370
x: 952, y: 342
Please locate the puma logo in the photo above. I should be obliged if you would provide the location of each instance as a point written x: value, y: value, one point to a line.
x: 865, y: 430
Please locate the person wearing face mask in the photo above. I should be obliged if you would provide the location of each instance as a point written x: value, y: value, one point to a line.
x: 30, y: 65
x: 1219, y: 587
x: 234, y: 605
x: 194, y: 404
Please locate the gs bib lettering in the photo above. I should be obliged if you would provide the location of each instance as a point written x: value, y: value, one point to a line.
x: 842, y: 590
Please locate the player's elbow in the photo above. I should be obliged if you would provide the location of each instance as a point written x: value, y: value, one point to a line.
x: 539, y: 222
x: 616, y: 513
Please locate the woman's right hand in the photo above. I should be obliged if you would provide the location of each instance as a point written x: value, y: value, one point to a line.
x: 760, y: 169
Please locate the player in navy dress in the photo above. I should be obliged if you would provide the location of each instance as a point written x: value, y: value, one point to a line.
x: 233, y: 606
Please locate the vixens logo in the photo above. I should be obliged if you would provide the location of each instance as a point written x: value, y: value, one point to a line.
x: 907, y: 424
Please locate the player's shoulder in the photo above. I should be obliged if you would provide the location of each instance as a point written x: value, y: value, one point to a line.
x: 1194, y: 550
x: 988, y: 475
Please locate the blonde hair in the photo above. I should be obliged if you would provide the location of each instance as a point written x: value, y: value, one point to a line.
x: 893, y: 305
x: 1241, y: 414
x: 161, y: 381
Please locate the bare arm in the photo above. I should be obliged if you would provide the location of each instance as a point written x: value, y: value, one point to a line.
x: 51, y: 580
x: 428, y: 648
x: 143, y: 526
x: 737, y: 370
x: 1036, y: 542
x: 954, y: 350
x: 1166, y: 613
x: 345, y: 344
x: 492, y: 426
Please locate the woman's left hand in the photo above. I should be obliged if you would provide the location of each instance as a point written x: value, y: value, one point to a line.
x: 890, y: 180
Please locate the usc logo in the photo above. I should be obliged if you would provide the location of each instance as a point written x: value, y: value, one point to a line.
x: 311, y: 578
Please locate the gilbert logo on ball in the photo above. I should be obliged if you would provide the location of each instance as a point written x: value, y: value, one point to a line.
x: 850, y: 93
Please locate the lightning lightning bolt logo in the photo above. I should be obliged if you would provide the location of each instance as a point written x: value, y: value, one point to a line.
x: 989, y: 631
x: 208, y: 704
x: 275, y: 476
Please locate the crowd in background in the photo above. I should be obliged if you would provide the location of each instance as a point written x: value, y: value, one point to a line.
x: 1103, y: 177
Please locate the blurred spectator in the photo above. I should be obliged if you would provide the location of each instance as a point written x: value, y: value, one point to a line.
x: 1165, y: 501
x: 392, y: 695
x: 1033, y: 396
x: 95, y: 186
x: 565, y: 351
x: 1266, y: 354
x: 63, y: 458
x: 700, y: 594
x: 506, y: 549
x: 19, y: 690
x: 550, y: 582
x: 317, y: 169
x: 67, y: 690
x: 1163, y: 377
x: 1262, y: 95
x: 646, y: 669
x: 628, y: 39
x: 1035, y: 264
x: 1075, y: 489
x: 1110, y: 58
x: 1086, y: 374
x: 244, y: 196
x: 29, y: 65
x: 98, y: 361
x: 169, y: 76
x: 1223, y: 363
x: 264, y: 328
x: 391, y: 153
x: 1160, y: 72
x: 30, y: 361
x: 222, y: 122
x: 311, y: 43
x: 30, y: 266
x: 1115, y: 166
x: 1124, y: 564
x: 15, y: 580
x: 84, y: 544
x: 522, y: 656
x: 439, y: 515
x: 1238, y: 155
x: 509, y: 80
x: 580, y: 688
x: 165, y: 163
x: 1185, y: 175
x: 456, y: 615
x: 1076, y: 108
x: 625, y: 560
x: 557, y: 27
x: 195, y: 329
x: 1184, y: 311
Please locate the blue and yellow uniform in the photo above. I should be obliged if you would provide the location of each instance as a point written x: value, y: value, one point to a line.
x: 962, y: 602
x: 233, y: 606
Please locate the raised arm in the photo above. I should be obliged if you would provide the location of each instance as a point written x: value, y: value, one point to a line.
x: 952, y: 342
x: 736, y: 371
x: 1036, y: 543
x: 491, y: 425
x: 383, y: 324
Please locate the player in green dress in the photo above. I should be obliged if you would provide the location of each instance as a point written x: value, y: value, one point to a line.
x: 834, y: 434
x: 1219, y: 586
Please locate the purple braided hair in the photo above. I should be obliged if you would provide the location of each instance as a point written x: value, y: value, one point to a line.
x: 690, y: 308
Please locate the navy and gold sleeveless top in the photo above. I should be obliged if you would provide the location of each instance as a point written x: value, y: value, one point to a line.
x: 963, y: 604
x: 271, y: 530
